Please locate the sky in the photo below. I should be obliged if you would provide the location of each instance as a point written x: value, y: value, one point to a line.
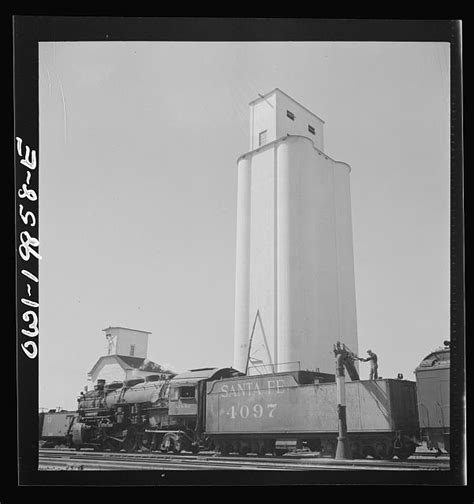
x: 138, y: 193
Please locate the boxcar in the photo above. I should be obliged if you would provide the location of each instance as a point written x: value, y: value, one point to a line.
x: 432, y: 379
x: 55, y: 427
x: 258, y: 413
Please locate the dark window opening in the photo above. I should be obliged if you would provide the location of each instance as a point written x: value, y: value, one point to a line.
x: 132, y: 350
x: 311, y: 129
x: 290, y: 115
x: 187, y: 392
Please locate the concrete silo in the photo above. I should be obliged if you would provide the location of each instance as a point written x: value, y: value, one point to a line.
x: 294, y: 260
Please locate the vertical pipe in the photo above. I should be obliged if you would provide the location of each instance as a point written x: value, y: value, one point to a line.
x: 242, y: 266
x: 341, y: 450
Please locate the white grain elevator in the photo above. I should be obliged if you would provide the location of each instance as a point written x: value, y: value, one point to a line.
x: 294, y: 256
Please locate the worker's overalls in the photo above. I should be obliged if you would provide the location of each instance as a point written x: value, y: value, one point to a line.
x: 373, y: 367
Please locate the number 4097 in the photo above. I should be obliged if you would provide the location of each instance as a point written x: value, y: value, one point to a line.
x: 257, y: 411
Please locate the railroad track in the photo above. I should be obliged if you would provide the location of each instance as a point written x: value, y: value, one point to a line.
x: 64, y: 459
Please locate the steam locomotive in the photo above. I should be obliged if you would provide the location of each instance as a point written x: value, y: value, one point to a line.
x: 224, y: 410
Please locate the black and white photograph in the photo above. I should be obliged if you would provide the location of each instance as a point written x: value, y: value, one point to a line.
x: 244, y: 249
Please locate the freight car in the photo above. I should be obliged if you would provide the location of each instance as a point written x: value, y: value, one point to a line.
x: 55, y: 427
x: 432, y: 380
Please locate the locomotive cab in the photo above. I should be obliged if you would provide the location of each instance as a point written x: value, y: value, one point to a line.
x: 186, y: 397
x: 187, y: 404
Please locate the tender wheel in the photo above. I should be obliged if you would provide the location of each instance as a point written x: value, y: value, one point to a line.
x: 225, y: 449
x: 402, y: 454
x: 243, y: 450
x: 405, y: 451
x: 329, y: 449
x: 314, y: 445
x: 389, y: 452
x: 356, y: 450
x: 368, y: 451
x: 380, y: 450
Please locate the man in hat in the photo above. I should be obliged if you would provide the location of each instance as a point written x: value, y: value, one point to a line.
x: 372, y: 358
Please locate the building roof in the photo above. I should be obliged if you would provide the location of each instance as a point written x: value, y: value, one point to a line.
x: 131, y: 362
x: 126, y: 328
x: 262, y: 97
x: 128, y: 362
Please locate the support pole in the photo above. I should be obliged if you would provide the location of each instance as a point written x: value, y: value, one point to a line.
x: 342, y: 451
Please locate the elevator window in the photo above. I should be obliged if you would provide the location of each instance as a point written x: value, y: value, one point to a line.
x: 311, y: 129
x: 262, y: 137
x: 290, y: 115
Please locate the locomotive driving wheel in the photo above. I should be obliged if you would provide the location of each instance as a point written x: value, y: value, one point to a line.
x: 111, y: 445
x: 178, y: 445
x: 171, y: 442
x: 129, y: 444
x: 144, y: 443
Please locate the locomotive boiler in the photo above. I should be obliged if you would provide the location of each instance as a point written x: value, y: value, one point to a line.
x: 113, y: 416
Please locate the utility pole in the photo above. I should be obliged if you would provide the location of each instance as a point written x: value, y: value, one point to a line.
x: 341, y: 354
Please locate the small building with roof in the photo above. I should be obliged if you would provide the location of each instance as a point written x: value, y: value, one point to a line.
x: 126, y: 357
